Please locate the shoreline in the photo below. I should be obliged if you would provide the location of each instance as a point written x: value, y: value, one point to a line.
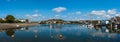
x: 15, y: 25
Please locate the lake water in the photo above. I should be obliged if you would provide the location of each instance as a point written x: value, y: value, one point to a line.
x: 60, y: 33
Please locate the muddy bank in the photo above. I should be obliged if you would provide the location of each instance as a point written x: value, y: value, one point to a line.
x: 15, y: 25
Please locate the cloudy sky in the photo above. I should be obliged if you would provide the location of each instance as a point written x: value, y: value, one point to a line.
x: 36, y: 10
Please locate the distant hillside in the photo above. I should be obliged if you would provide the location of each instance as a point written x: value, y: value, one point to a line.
x: 51, y: 21
x: 55, y: 20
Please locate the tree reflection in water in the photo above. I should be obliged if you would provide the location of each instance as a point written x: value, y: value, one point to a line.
x: 10, y: 33
x: 26, y: 28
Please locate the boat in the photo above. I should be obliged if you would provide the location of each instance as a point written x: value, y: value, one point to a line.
x: 90, y: 26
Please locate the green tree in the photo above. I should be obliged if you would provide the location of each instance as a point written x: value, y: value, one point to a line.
x: 1, y: 20
x: 26, y: 20
x: 10, y: 19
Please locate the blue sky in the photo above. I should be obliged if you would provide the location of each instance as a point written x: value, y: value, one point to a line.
x: 36, y: 10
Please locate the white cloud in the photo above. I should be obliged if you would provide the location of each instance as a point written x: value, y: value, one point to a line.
x: 57, y: 16
x: 99, y: 12
x: 74, y: 13
x: 117, y: 14
x: 113, y: 11
x: 28, y: 16
x: 108, y: 16
x: 33, y: 15
x: 78, y: 12
x: 98, y: 17
x: 65, y: 16
x: 59, y: 9
x: 36, y: 15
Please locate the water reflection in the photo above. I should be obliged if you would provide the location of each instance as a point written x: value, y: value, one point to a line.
x: 26, y: 28
x: 10, y: 33
x: 61, y: 33
x: 55, y: 31
x: 55, y: 25
x: 35, y: 34
x: 97, y: 28
x: 108, y: 29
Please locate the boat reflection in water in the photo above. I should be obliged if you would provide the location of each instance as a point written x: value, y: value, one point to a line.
x: 60, y: 33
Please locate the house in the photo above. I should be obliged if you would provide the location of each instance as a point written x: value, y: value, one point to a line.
x: 22, y: 20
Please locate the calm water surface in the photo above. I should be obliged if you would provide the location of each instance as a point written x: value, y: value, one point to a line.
x: 60, y: 33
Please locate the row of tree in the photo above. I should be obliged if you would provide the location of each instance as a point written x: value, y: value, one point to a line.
x: 10, y: 19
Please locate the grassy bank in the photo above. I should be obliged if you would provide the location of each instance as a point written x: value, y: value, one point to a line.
x: 15, y: 25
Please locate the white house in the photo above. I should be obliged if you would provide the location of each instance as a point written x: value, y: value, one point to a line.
x: 22, y: 20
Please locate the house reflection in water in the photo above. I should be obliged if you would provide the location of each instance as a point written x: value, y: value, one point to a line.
x: 55, y: 26
x: 107, y: 29
x: 24, y: 29
x: 35, y: 34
